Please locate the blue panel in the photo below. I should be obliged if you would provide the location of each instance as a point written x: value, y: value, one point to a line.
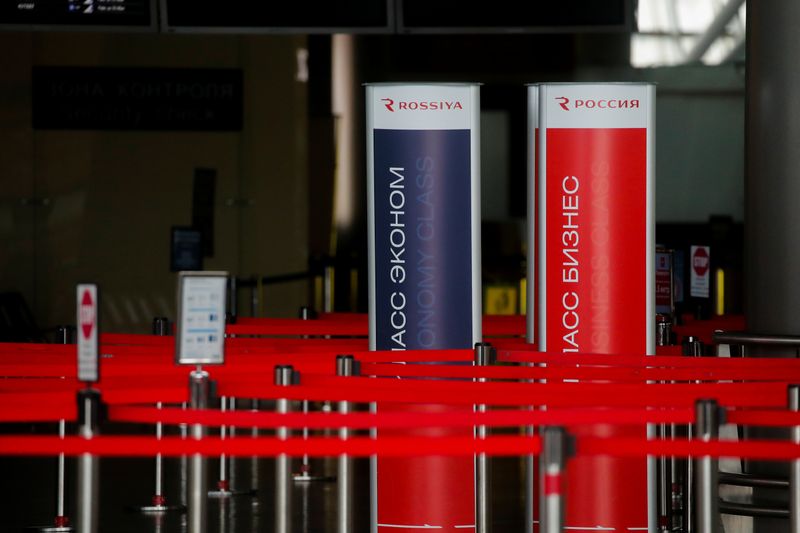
x: 423, y: 256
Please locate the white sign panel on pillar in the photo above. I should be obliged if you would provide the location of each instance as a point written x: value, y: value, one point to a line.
x: 88, y: 334
x: 596, y: 266
x: 700, y: 272
x: 200, y: 338
x: 423, y: 173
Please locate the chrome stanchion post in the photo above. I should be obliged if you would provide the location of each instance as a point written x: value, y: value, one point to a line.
x: 184, y: 479
x: 485, y: 355
x: 158, y: 497
x: 225, y: 485
x: 158, y: 504
x: 161, y: 326
x: 88, y: 467
x: 794, y: 470
x: 61, y: 521
x: 305, y: 473
x: 691, y: 347
x: 664, y: 482
x: 199, y: 387
x: 283, y: 474
x: 708, y: 419
x: 223, y: 489
x: 254, y: 459
x: 345, y: 367
x: 64, y: 335
x: 552, y: 469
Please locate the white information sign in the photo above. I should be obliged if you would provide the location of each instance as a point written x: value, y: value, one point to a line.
x: 87, y: 332
x: 201, y: 318
x: 700, y: 271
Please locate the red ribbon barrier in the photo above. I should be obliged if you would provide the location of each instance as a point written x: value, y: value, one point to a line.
x: 622, y: 360
x: 322, y: 388
x: 128, y: 446
x: 395, y: 419
x: 583, y: 373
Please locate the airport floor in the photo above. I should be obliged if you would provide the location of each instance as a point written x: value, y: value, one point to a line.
x: 28, y: 496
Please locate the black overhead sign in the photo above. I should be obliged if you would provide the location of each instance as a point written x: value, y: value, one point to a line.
x: 55, y: 14
x: 87, y: 98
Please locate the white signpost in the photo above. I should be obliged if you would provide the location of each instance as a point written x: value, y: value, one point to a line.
x: 200, y: 338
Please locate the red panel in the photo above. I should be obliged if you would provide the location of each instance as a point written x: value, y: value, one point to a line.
x: 596, y: 283
x: 425, y: 490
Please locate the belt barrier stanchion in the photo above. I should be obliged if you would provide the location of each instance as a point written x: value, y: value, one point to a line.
x: 691, y: 347
x: 552, y: 466
x: 345, y: 367
x: 227, y: 465
x: 224, y: 483
x: 232, y: 460
x: 199, y: 391
x: 89, y: 405
x: 708, y: 419
x: 305, y: 474
x: 254, y: 461
x: 664, y: 462
x: 161, y: 326
x: 423, y: 183
x: 158, y: 504
x: 794, y: 472
x: 184, y: 463
x: 485, y: 355
x: 64, y: 335
x: 61, y: 521
x: 88, y: 467
x: 284, y: 376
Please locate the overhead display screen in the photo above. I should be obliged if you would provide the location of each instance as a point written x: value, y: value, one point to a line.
x: 300, y: 16
x: 78, y: 14
x: 514, y: 16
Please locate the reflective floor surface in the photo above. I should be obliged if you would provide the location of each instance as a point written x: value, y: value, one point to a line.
x: 29, y: 496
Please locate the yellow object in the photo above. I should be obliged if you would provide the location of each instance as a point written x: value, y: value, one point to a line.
x: 523, y: 296
x: 500, y: 300
x: 720, y: 292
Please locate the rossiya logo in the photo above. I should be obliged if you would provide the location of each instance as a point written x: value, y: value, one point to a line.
x: 597, y: 103
x: 421, y: 105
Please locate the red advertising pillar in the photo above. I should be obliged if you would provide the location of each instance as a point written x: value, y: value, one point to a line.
x: 424, y: 279
x: 596, y: 267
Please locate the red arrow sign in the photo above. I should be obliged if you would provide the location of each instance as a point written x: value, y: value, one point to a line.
x: 87, y: 318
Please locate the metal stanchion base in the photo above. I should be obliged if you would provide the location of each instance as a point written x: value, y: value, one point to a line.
x: 157, y: 509
x: 223, y: 490
x: 230, y: 493
x: 61, y: 526
x: 305, y: 477
x: 158, y: 506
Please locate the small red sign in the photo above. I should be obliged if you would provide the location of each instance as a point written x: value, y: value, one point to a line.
x: 700, y: 261
x: 87, y: 314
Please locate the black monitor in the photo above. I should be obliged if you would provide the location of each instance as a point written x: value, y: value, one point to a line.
x: 267, y: 16
x: 109, y: 15
x: 514, y: 16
